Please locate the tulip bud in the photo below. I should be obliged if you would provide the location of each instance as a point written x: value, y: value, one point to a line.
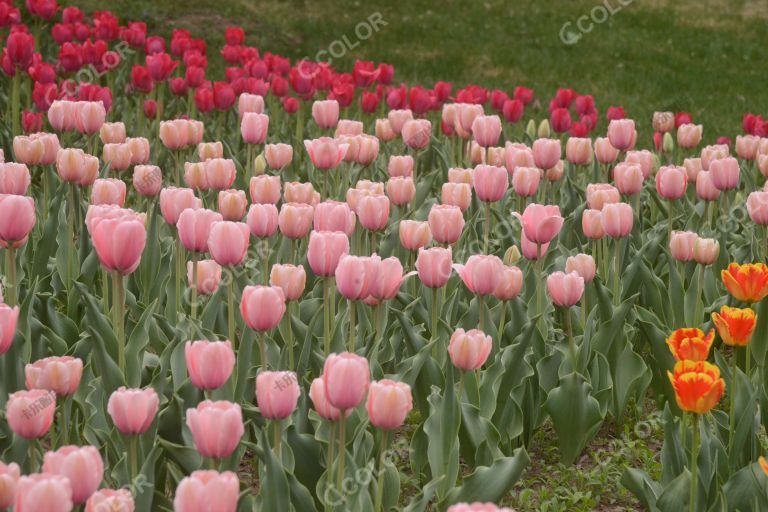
x: 667, y: 144
x: 512, y: 256
x: 259, y: 165
x: 544, y: 130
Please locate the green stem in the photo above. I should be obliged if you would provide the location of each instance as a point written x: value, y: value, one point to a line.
x: 13, y: 292
x: 380, y: 479
x: 694, y: 463
x: 326, y: 316
x: 179, y: 273
x: 263, y: 351
x: 331, y: 445
x: 481, y: 311
x: 502, y: 320
x: 133, y: 455
x: 105, y: 291
x: 571, y: 341
x: 351, y: 341
x: 486, y: 227
x: 732, y: 412
x: 231, y: 310
x: 699, y: 316
x: 291, y: 341
x: 265, y: 260
x: 278, y: 434
x: 118, y: 305
x: 194, y: 286
x: 342, y: 450
x: 616, y: 271
x: 433, y: 330
x: 71, y: 252
x: 15, y: 103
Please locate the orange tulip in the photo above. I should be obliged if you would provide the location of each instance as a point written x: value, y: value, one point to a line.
x: 763, y: 464
x: 735, y: 325
x: 698, y: 385
x: 691, y: 344
x: 748, y: 282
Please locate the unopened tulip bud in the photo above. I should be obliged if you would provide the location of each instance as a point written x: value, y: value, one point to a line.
x: 544, y: 130
x: 512, y: 256
x: 530, y: 129
x: 667, y: 144
x: 259, y: 165
x: 706, y: 251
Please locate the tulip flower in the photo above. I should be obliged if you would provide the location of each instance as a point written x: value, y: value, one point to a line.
x: 277, y: 394
x: 9, y: 318
x: 546, y: 153
x: 690, y: 344
x: 621, y: 134
x: 218, y: 491
x: 681, y: 245
x: 30, y: 413
x: 209, y: 363
x: 278, y: 155
x: 110, y: 500
x: 478, y: 507
x: 147, y: 180
x: 747, y: 283
x: 541, y: 223
x: 446, y: 223
x: 469, y: 350
x: 83, y: 467
x: 325, y: 153
x: 262, y: 308
x: 207, y: 278
x: 58, y: 374
x: 600, y: 194
x: 414, y: 234
x: 735, y: 326
x: 9, y: 479
x: 232, y: 204
x: 43, y: 491
x: 216, y: 428
x: 297, y: 192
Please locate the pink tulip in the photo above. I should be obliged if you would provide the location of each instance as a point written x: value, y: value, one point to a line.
x: 58, y: 374
x: 290, y: 278
x: 119, y: 243
x: 348, y: 128
x: 414, y: 234
x: 97, y: 213
x: 30, y: 413
x: 705, y: 188
x: 133, y: 410
x: 14, y: 179
x: 388, y: 279
x: 278, y: 155
x: 458, y: 175
x: 517, y: 155
x: 43, y: 492
x: 147, y: 180
x: 456, y: 194
x: 108, y: 191
x: 446, y: 223
x: 525, y: 181
x: 532, y: 251
x: 692, y: 168
x: 629, y: 178
x: 486, y: 130
x: 496, y: 156
x: 253, y: 127
x: 689, y: 135
x: 384, y: 130
x: 592, y: 224
x: 398, y: 118
x: 617, y: 219
x: 194, y: 228
x: 578, y: 151
x: 208, y: 150
x: 599, y: 194
x: 208, y: 276
x: 480, y: 274
x: 541, y: 223
x: 175, y: 200
x: 469, y: 350
x: 61, y: 115
x: 220, y: 173
x: 509, y: 283
x: 209, y: 363
x: 401, y: 190
x: 250, y: 103
x: 713, y: 152
x: 757, y: 207
x: 416, y: 133
x: 216, y: 428
x: 228, y: 242
x: 546, y: 153
x: 207, y: 491
x: 295, y: 220
x: 465, y: 116
x: 325, y: 153
x: 72, y: 165
x: 139, y: 148
x: 671, y: 182
x: 112, y: 133
x: 173, y: 134
x: 622, y: 134
x: 747, y: 146
x: 334, y: 216
x: 582, y: 264
x: 400, y: 166
x: 490, y: 182
x: 725, y: 173
x: 555, y: 173
x: 373, y: 212
x: 118, y: 156
x: 346, y: 377
x: 277, y: 394
x: 389, y: 402
x: 644, y: 158
x: 320, y: 402
x: 109, y: 500
x: 262, y: 307
x: 195, y: 176
x: 477, y: 507
x: 83, y: 467
x: 434, y: 266
x: 565, y: 289
x: 325, y: 113
x: 89, y: 116
x: 232, y: 204
x: 604, y: 152
x: 296, y: 192
x: 324, y: 251
x: 262, y: 220
x: 706, y: 251
x: 9, y: 479
x: 17, y: 218
x: 681, y: 245
x: 355, y: 275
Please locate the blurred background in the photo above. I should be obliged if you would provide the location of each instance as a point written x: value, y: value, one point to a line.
x: 706, y: 57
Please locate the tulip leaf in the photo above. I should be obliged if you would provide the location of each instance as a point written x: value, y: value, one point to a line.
x: 442, y: 429
x: 491, y: 483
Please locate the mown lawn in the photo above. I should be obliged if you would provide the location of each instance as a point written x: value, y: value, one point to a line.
x: 704, y: 56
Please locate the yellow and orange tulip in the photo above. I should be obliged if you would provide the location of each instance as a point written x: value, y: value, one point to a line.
x: 748, y: 282
x: 763, y: 465
x: 698, y: 385
x: 735, y: 325
x: 690, y: 343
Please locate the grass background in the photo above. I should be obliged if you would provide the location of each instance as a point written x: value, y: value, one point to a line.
x: 707, y: 56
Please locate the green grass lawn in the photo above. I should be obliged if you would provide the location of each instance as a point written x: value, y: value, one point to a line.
x: 706, y: 56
